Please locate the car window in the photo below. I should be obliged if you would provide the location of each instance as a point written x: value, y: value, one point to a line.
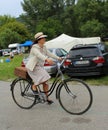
x: 51, y: 50
x: 58, y: 53
x: 61, y: 52
x: 85, y: 52
x: 6, y: 50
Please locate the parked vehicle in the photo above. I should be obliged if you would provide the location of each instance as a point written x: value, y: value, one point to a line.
x: 6, y: 52
x: 15, y: 51
x: 1, y: 54
x: 87, y: 60
x: 101, y: 46
x: 51, y: 69
x: 15, y: 48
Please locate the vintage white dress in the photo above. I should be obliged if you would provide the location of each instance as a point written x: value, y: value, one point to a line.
x: 39, y: 74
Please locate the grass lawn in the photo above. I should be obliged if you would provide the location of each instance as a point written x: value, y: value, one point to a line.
x: 97, y: 80
x: 7, y: 72
x: 7, y: 68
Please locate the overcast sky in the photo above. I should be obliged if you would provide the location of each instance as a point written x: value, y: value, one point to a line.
x: 11, y: 7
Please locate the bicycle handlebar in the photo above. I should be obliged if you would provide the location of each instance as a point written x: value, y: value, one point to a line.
x: 59, y: 64
x: 63, y: 60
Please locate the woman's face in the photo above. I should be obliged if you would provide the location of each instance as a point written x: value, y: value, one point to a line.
x: 42, y: 40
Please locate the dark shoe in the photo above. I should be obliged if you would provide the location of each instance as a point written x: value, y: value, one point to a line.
x: 49, y: 102
x: 36, y: 93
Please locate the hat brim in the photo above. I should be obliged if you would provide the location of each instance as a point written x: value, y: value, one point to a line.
x: 43, y: 36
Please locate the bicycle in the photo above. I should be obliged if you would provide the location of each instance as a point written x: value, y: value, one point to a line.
x: 74, y: 95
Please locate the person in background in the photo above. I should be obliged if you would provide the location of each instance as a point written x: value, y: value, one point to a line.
x: 35, y: 66
x: 11, y: 55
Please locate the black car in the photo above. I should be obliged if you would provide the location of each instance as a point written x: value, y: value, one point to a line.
x: 87, y: 60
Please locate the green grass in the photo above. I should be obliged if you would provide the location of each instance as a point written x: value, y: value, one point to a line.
x: 98, y: 81
x: 7, y: 68
x: 95, y: 80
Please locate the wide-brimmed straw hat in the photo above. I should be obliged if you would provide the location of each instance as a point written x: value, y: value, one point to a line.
x: 39, y: 35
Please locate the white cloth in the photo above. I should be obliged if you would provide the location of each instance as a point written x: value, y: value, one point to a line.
x: 36, y: 55
x: 39, y: 74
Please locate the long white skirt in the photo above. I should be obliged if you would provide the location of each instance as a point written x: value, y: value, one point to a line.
x: 39, y: 75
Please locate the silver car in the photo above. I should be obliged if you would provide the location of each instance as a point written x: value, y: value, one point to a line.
x: 6, y: 52
x: 51, y: 69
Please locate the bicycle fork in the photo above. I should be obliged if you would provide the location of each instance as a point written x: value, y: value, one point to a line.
x: 69, y: 92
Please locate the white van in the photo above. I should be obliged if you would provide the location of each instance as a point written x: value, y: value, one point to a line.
x: 15, y: 48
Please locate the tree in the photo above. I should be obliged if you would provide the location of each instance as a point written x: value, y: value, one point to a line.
x: 50, y: 27
x: 6, y: 19
x: 38, y: 10
x: 71, y: 14
x: 8, y: 37
x: 12, y: 31
x: 92, y: 28
x: 87, y: 11
x: 17, y: 27
x: 104, y: 17
x: 69, y: 21
x: 43, y: 10
x: 69, y: 2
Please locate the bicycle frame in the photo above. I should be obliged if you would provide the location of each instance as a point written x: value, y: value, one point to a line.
x: 58, y: 79
x: 63, y: 88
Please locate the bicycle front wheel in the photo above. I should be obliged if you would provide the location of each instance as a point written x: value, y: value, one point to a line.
x: 22, y: 94
x: 75, y: 96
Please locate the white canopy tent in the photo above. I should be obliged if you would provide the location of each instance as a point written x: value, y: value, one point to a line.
x: 13, y: 45
x: 67, y: 42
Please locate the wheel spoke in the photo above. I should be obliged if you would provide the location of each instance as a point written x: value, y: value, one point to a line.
x: 75, y: 96
x: 28, y: 98
x: 22, y: 94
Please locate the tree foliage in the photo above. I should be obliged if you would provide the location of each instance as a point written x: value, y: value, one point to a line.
x: 89, y: 11
x: 6, y: 19
x: 8, y: 37
x: 12, y: 31
x: 17, y: 27
x: 80, y: 18
x: 40, y: 10
x: 72, y: 17
x: 92, y: 28
x: 50, y: 27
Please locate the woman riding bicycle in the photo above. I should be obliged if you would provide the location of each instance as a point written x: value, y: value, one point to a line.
x: 35, y: 66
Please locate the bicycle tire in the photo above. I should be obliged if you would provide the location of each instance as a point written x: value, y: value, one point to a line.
x: 75, y: 96
x: 24, y: 100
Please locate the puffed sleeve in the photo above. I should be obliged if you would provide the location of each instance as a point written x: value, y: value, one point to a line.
x: 38, y: 54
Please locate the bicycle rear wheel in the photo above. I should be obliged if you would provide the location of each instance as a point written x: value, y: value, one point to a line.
x: 75, y: 96
x: 22, y: 94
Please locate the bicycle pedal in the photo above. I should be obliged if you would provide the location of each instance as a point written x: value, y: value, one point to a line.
x: 41, y: 100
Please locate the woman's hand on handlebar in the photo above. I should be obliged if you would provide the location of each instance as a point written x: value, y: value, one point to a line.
x: 51, y: 62
x: 60, y: 58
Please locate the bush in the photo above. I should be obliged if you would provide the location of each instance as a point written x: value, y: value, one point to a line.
x: 13, y: 32
x: 92, y: 28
